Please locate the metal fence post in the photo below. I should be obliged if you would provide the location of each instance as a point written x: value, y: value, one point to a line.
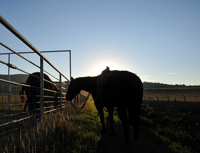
x: 41, y: 88
x: 184, y: 97
x: 157, y: 98
x: 60, y: 93
x: 9, y: 85
x: 70, y: 70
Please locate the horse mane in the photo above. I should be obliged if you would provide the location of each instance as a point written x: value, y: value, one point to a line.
x: 86, y: 83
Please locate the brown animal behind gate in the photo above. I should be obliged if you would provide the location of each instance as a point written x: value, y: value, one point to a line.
x: 30, y: 96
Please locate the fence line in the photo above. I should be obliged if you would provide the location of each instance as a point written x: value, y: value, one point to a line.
x: 186, y: 94
x: 181, y: 98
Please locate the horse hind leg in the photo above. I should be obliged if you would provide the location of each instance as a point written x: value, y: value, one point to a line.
x: 123, y: 117
x: 134, y: 119
x: 136, y: 127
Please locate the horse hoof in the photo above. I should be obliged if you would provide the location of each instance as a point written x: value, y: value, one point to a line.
x: 126, y: 141
x: 113, y: 134
x: 103, y: 131
x: 136, y: 144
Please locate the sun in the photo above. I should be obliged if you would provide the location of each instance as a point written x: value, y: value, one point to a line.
x: 100, y: 67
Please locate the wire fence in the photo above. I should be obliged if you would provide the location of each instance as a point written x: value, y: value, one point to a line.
x: 187, y: 94
x: 27, y: 98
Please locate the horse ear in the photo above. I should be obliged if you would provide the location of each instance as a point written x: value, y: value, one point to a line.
x: 72, y: 78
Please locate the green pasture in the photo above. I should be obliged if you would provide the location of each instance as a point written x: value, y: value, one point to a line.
x: 162, y: 130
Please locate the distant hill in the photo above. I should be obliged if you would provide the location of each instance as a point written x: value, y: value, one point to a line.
x: 20, y: 78
x: 161, y: 85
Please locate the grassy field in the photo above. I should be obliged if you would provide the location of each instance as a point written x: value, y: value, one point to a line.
x: 190, y: 94
x: 179, y: 130
x: 162, y: 130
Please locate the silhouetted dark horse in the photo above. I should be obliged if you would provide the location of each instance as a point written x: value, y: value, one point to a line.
x: 33, y: 93
x: 121, y: 89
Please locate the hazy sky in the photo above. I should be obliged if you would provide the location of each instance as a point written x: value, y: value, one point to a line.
x: 156, y: 39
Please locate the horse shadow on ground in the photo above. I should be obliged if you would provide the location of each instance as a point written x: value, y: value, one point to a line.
x: 148, y: 141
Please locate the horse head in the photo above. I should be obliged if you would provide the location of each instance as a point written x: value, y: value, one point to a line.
x: 73, y: 90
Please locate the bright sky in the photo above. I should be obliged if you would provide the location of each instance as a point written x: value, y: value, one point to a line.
x: 156, y: 39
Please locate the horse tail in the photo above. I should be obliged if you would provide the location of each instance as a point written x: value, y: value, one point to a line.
x: 134, y: 110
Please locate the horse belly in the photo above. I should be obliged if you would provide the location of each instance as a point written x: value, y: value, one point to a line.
x: 126, y: 93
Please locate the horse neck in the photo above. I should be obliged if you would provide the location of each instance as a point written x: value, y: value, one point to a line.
x: 87, y: 83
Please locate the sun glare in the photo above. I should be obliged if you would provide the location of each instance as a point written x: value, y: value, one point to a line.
x: 99, y: 68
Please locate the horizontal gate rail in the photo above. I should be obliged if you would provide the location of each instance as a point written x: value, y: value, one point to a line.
x: 14, y: 52
x: 25, y: 41
x: 40, y: 52
x: 18, y: 53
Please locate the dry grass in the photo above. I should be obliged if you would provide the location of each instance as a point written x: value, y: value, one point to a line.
x: 174, y: 94
x: 162, y: 130
x: 63, y: 132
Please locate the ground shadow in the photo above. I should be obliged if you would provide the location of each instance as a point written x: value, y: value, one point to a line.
x: 148, y: 141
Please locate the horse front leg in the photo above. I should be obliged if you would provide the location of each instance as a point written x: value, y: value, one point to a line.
x: 110, y: 112
x: 100, y: 110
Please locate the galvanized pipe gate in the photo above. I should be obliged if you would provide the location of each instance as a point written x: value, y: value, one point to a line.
x: 7, y: 124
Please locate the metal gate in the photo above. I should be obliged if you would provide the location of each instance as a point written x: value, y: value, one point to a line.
x: 39, y: 101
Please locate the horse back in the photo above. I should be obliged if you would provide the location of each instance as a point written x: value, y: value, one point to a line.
x: 122, y: 86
